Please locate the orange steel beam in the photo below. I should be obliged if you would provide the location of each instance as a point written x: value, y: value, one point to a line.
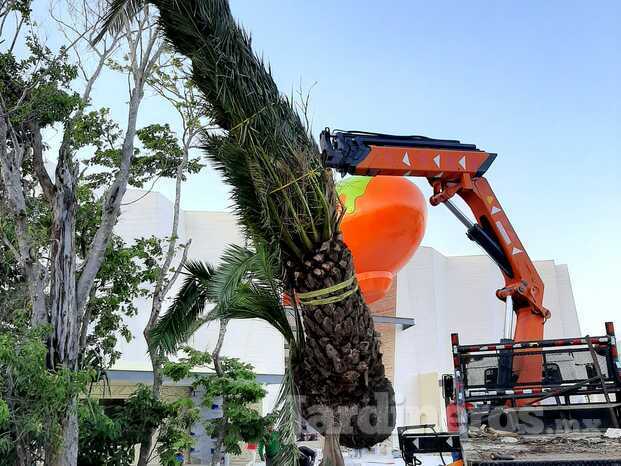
x: 453, y: 169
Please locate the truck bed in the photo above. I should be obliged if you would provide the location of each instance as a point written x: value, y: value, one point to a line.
x: 584, y: 448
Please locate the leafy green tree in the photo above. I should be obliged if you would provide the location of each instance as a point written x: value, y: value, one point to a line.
x: 110, y: 436
x: 33, y: 400
x: 234, y: 384
x: 101, y: 437
x: 38, y: 92
x: 61, y: 262
x: 130, y: 270
x: 127, y: 269
x: 173, y: 435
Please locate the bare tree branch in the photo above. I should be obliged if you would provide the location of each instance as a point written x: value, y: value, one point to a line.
x: 10, y: 168
x: 43, y: 177
x: 114, y: 195
x: 164, y: 283
x: 90, y: 21
x: 178, y: 269
x: 218, y: 453
x: 11, y: 248
x: 16, y: 35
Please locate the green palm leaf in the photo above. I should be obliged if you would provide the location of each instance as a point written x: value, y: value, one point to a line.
x: 181, y: 319
x: 118, y: 14
x: 235, y: 264
x: 243, y: 286
x: 252, y: 302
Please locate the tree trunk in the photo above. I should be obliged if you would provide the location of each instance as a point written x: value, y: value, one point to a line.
x: 67, y: 453
x: 64, y: 341
x: 218, y: 454
x: 145, y: 451
x: 11, y: 172
x: 332, y: 455
x: 22, y: 455
x: 340, y: 373
x: 63, y: 298
x: 146, y: 447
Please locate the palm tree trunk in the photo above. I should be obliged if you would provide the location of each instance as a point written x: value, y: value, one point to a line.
x: 332, y: 455
x: 341, y: 365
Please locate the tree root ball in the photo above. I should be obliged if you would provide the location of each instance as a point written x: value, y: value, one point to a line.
x: 362, y: 425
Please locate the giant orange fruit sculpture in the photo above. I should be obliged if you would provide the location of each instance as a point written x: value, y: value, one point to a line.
x: 383, y: 225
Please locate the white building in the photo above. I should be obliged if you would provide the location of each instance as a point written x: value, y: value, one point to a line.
x: 443, y: 295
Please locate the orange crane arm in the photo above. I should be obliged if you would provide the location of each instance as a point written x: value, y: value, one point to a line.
x: 452, y: 168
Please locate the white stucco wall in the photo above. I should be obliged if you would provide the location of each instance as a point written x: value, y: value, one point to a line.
x: 149, y: 214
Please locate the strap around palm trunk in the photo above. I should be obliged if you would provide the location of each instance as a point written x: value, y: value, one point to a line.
x: 321, y: 297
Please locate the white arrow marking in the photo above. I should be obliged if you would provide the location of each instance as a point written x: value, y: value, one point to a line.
x: 503, y: 233
x: 407, y: 173
x: 437, y: 159
x: 516, y: 251
x: 462, y: 162
x: 495, y: 210
x: 406, y: 159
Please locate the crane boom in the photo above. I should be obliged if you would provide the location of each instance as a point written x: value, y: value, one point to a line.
x: 452, y: 168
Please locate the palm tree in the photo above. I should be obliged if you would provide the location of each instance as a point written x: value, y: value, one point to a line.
x: 243, y: 286
x: 285, y: 199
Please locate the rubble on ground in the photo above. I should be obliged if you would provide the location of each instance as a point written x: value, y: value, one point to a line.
x: 490, y: 444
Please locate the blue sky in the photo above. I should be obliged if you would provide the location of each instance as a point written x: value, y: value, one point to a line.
x: 536, y: 82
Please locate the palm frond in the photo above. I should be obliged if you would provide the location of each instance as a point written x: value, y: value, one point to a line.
x: 287, y: 421
x: 230, y: 161
x: 119, y: 13
x: 281, y: 191
x: 243, y: 286
x: 251, y: 302
x: 266, y: 265
x: 181, y: 318
x: 235, y: 265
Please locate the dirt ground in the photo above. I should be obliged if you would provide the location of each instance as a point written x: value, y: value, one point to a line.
x: 583, y: 445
